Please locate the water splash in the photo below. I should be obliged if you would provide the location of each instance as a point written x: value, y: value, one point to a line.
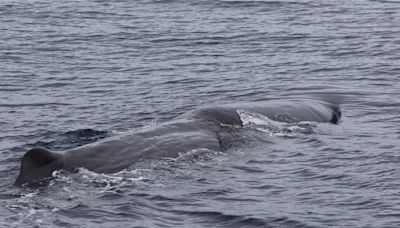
x: 264, y: 124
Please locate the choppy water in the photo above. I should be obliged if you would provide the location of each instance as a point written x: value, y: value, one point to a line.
x: 73, y: 72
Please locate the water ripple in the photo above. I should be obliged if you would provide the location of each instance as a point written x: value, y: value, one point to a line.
x: 79, y: 71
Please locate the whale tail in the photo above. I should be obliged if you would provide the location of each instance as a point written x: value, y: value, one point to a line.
x: 38, y: 165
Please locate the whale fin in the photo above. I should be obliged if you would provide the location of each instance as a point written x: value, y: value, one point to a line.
x: 38, y: 164
x: 336, y: 115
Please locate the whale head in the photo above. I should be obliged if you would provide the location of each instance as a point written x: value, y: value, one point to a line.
x: 38, y: 165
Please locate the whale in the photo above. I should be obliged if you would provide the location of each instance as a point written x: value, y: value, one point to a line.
x: 195, y: 129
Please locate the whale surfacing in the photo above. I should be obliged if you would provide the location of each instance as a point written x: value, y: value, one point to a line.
x: 195, y: 129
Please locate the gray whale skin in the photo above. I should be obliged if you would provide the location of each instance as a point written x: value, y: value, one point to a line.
x: 198, y: 128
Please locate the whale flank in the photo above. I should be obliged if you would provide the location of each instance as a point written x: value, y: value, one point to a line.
x: 199, y: 128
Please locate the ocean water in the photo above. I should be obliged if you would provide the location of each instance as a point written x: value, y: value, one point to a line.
x: 73, y: 72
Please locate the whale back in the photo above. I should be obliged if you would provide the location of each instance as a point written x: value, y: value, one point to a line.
x: 298, y: 111
x: 277, y: 110
x: 37, y: 164
x: 198, y: 128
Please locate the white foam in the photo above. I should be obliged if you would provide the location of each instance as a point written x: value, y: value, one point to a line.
x: 31, y: 212
x: 264, y: 124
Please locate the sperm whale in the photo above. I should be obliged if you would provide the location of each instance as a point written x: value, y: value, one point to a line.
x: 195, y: 129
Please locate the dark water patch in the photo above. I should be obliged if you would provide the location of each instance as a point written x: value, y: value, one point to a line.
x: 84, y: 211
x: 212, y: 192
x: 231, y: 199
x: 54, y: 85
x: 111, y: 196
x: 287, y: 222
x: 248, y: 169
x: 32, y: 105
x: 70, y: 139
x: 15, y: 89
x: 98, y: 91
x: 264, y: 187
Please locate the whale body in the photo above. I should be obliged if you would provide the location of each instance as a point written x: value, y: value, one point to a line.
x: 199, y: 128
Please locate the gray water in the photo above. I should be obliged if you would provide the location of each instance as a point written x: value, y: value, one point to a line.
x: 73, y: 72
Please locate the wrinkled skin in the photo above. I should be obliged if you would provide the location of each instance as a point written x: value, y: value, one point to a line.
x: 196, y: 129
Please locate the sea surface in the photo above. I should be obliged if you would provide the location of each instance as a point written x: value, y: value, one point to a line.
x: 73, y: 72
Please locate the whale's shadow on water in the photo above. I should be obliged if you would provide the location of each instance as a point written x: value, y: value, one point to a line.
x: 207, y: 127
